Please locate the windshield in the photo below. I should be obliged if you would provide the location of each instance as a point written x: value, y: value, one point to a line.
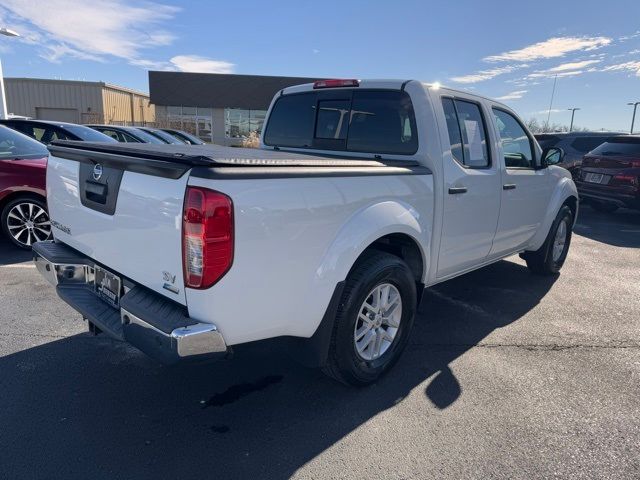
x: 88, y: 134
x: 623, y: 146
x: 146, y: 137
x: 187, y: 137
x: 165, y: 136
x: 14, y: 145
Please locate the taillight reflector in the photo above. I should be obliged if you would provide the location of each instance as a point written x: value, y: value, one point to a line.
x: 207, y: 237
x: 336, y: 83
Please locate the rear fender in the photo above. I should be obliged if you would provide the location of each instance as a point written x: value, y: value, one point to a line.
x: 364, y: 228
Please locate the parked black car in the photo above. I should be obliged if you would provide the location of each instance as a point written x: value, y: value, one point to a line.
x: 184, y: 136
x: 162, y: 135
x: 46, y: 131
x: 127, y: 134
x: 575, y: 145
x: 610, y: 175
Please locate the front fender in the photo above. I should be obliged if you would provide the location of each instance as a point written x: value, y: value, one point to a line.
x: 365, y: 227
x: 565, y: 188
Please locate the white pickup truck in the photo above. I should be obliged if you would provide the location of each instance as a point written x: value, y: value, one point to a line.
x: 362, y: 194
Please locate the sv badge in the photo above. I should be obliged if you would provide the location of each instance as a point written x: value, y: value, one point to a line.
x: 168, y: 277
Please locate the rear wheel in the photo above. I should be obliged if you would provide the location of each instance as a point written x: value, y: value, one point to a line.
x: 25, y: 220
x: 549, y: 258
x: 373, y: 321
x: 604, y: 207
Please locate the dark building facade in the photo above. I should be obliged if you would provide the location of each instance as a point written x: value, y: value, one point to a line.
x: 218, y: 108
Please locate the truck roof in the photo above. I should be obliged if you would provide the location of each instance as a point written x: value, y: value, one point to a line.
x: 395, y: 84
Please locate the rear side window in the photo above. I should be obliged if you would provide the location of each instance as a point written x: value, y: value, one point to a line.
x: 622, y: 146
x: 467, y: 133
x: 586, y: 144
x: 371, y: 121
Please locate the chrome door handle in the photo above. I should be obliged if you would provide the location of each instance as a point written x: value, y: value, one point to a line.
x: 457, y: 190
x: 509, y: 186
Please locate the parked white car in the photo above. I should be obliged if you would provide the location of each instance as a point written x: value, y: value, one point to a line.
x: 363, y: 193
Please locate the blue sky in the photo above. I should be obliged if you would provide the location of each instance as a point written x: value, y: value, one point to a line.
x: 503, y: 49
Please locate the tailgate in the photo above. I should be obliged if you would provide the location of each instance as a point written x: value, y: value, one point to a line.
x: 129, y: 221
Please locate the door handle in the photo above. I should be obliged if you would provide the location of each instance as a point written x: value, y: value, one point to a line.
x: 457, y: 190
x: 509, y: 186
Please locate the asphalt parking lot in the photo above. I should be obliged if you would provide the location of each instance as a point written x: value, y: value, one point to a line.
x: 508, y: 375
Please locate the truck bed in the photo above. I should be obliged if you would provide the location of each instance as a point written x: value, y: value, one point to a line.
x: 215, y: 161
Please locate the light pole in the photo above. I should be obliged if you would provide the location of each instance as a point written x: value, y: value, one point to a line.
x: 573, y: 112
x: 3, y: 99
x: 633, y: 119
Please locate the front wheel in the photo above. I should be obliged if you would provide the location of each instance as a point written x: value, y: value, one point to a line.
x: 549, y: 258
x: 373, y: 321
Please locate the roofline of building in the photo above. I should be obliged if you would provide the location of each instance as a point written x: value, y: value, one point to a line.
x: 79, y: 82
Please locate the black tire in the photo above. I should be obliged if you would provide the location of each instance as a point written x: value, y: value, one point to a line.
x: 8, y: 223
x: 344, y: 362
x: 541, y: 261
x: 604, y: 207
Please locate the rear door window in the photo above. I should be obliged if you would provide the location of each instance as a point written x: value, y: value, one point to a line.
x: 467, y: 133
x: 371, y: 121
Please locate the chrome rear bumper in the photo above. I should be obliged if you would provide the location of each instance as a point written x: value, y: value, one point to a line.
x: 155, y: 325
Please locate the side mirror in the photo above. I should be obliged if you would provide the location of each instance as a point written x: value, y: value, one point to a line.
x: 552, y: 156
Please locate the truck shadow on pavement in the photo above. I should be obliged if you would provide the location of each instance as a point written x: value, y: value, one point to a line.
x: 620, y: 228
x: 10, y: 254
x: 84, y: 407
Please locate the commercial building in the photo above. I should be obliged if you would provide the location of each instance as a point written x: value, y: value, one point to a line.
x: 77, y: 101
x: 218, y: 108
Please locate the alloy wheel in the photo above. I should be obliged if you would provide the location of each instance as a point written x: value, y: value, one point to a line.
x: 378, y: 322
x: 28, y: 223
x: 559, y: 240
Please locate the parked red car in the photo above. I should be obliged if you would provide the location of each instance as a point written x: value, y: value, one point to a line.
x: 23, y: 207
x: 610, y: 175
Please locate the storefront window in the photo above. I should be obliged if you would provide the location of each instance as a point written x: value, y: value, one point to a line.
x: 239, y: 123
x: 194, y: 120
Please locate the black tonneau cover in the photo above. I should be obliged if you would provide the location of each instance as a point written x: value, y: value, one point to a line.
x: 215, y: 161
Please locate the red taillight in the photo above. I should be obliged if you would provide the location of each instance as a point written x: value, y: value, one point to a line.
x: 336, y: 83
x: 207, y: 237
x: 630, y: 179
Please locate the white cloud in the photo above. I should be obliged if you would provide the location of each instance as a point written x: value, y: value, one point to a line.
x: 483, y: 75
x: 100, y: 30
x: 547, y: 111
x: 572, y: 66
x: 195, y: 63
x: 569, y: 69
x: 548, y: 74
x: 551, y: 48
x: 633, y: 66
x: 630, y: 37
x: 513, y: 95
x: 93, y: 30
